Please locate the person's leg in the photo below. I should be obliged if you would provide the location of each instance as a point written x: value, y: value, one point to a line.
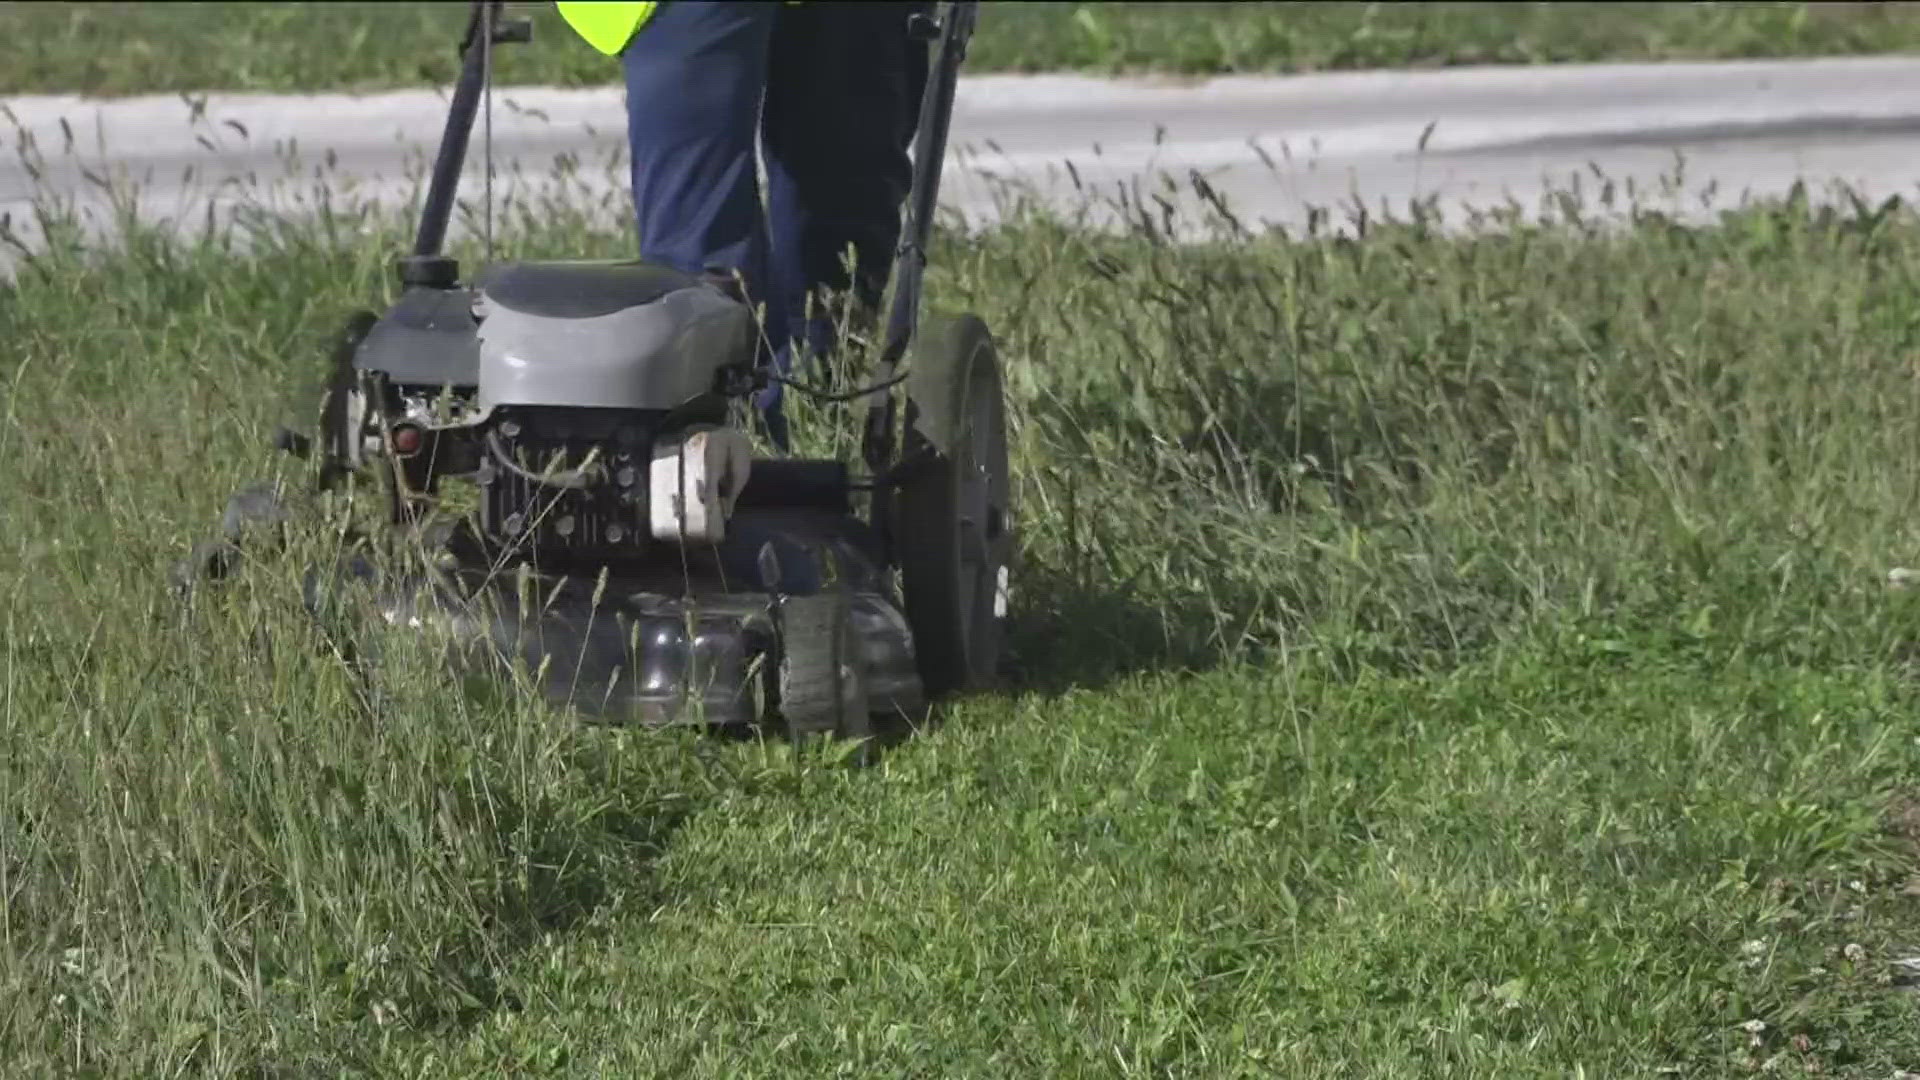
x: 843, y: 98
x: 696, y: 74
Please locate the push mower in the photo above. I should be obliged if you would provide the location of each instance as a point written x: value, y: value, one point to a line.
x: 597, y: 409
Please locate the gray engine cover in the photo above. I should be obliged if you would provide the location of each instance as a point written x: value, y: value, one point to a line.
x: 655, y: 354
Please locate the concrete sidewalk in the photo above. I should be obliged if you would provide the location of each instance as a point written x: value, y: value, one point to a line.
x: 1273, y: 147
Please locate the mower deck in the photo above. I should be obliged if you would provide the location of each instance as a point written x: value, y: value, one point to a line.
x: 790, y: 615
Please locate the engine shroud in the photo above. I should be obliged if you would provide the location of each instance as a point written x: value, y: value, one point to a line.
x: 606, y: 335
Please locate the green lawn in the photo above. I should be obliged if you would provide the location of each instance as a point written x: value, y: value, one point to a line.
x: 1436, y: 657
x: 120, y: 48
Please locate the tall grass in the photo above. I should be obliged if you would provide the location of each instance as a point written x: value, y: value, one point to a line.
x: 1541, y: 572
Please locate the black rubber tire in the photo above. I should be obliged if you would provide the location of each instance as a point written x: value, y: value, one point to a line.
x: 953, y: 522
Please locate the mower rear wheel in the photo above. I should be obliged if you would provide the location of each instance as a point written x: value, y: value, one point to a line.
x: 953, y: 525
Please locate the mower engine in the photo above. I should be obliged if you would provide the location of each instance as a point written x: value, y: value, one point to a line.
x: 599, y: 485
x: 605, y: 390
x: 589, y: 402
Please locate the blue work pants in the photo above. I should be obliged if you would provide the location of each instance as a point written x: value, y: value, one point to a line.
x: 831, y: 92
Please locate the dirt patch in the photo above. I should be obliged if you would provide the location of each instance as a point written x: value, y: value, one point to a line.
x: 1903, y: 819
x: 1903, y: 822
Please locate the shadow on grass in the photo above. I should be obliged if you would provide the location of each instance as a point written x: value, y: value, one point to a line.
x: 1087, y: 632
x: 1077, y: 635
x: 577, y: 869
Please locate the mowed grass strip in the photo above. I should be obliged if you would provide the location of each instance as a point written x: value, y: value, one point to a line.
x: 133, y: 48
x: 1435, y: 656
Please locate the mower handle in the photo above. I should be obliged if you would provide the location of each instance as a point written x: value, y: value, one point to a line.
x: 929, y: 154
x: 426, y: 265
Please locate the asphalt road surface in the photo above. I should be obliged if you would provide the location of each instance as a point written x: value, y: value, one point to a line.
x: 1689, y: 139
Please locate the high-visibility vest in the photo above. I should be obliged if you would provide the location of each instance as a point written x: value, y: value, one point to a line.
x: 607, y: 27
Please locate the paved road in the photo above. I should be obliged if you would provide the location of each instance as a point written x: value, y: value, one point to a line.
x: 1273, y: 147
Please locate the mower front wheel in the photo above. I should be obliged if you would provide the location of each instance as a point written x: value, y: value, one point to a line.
x: 953, y: 527
x: 340, y: 429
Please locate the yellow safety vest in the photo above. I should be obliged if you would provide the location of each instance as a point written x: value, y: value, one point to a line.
x: 607, y: 27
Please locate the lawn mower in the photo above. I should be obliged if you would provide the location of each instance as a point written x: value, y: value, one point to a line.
x: 596, y: 408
